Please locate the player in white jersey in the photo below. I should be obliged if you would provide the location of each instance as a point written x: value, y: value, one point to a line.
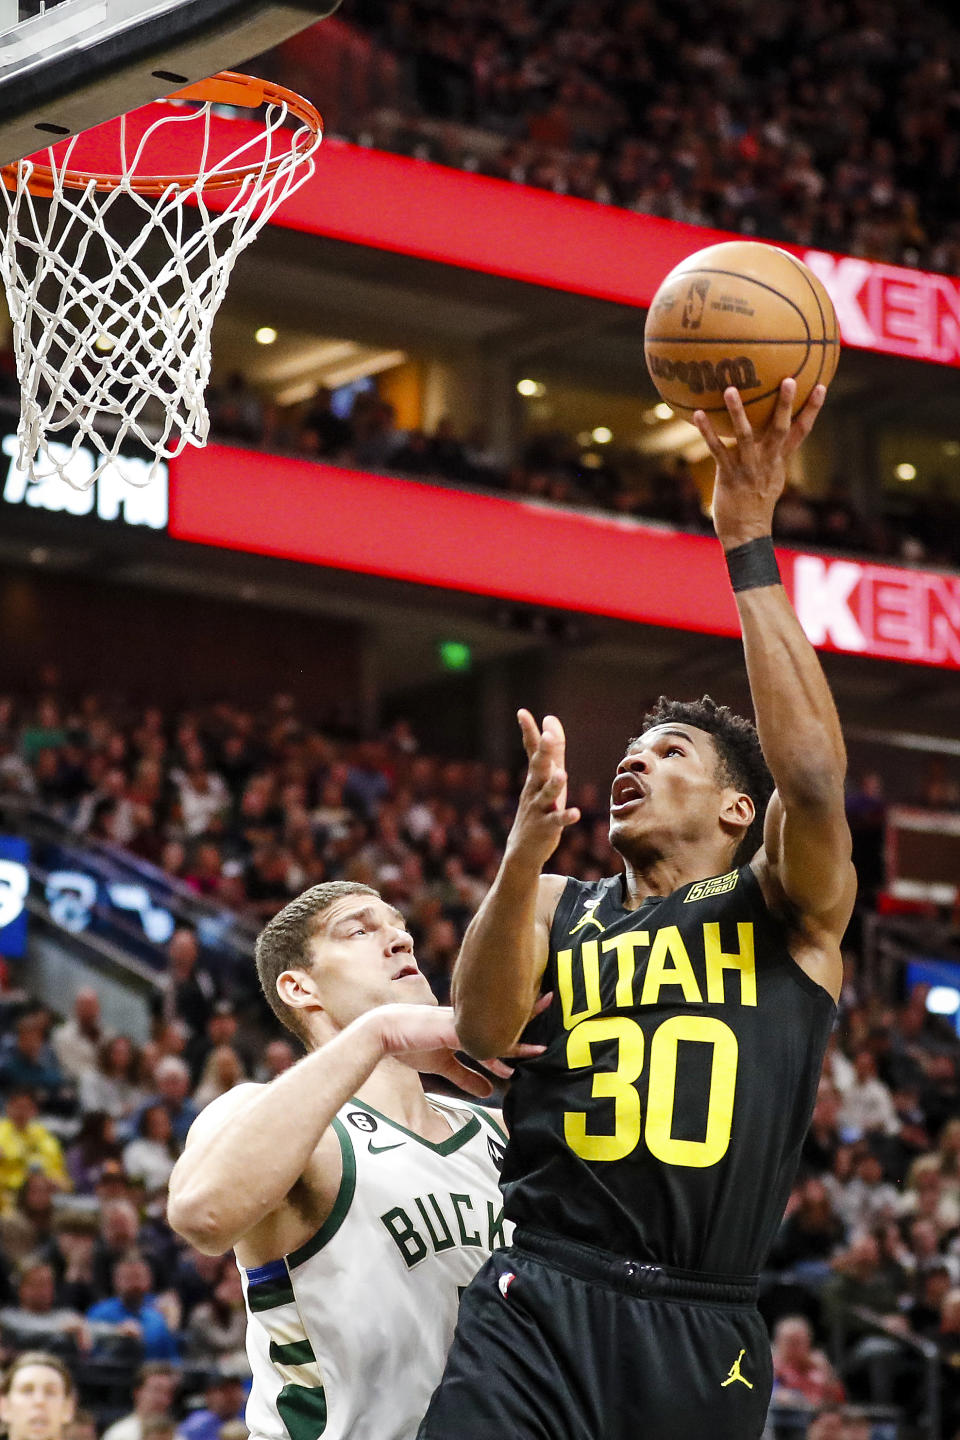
x: 359, y: 1207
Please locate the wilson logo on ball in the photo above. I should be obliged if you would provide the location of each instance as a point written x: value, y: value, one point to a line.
x: 701, y: 375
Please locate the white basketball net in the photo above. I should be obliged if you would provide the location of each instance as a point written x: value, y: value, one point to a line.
x: 112, y: 336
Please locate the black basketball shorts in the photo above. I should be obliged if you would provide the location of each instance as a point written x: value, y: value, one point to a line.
x: 561, y: 1341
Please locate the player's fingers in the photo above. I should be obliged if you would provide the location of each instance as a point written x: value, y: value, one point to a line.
x: 553, y: 729
x: 554, y: 783
x: 467, y: 1079
x: 712, y: 440
x: 497, y: 1067
x: 530, y: 731
x: 542, y: 1004
x: 526, y: 1052
x: 570, y: 817
x: 742, y: 428
x: 783, y: 410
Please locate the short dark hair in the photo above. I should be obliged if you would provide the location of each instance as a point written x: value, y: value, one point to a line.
x: 738, y: 751
x: 155, y: 1367
x: 38, y: 1357
x: 283, y: 942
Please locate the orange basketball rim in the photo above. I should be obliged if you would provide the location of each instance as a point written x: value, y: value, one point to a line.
x: 228, y: 87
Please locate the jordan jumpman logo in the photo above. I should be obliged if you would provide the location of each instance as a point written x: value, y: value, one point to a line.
x: 736, y: 1375
x: 589, y: 918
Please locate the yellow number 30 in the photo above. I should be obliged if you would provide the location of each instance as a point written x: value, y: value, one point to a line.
x: 618, y: 1086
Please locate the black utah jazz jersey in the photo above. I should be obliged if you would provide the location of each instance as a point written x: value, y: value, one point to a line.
x: 684, y: 1046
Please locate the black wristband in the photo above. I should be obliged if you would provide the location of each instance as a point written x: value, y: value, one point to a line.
x: 753, y: 564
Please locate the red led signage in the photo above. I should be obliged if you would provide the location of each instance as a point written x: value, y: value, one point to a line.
x: 412, y: 207
x: 350, y: 520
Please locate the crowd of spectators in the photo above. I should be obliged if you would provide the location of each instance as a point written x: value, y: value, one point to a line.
x: 833, y: 124
x: 554, y: 468
x: 249, y: 809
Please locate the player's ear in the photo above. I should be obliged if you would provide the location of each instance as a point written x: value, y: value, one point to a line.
x: 737, y: 811
x: 297, y: 989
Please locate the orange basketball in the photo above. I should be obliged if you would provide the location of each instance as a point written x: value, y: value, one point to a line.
x: 741, y: 314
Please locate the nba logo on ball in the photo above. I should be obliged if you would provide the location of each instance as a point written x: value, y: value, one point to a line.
x: 741, y: 314
x: 693, y: 309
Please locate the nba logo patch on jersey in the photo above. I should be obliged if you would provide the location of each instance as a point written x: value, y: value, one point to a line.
x: 505, y: 1281
x: 496, y: 1151
x: 718, y: 885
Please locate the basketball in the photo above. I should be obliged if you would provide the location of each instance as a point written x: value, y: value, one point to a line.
x: 743, y: 314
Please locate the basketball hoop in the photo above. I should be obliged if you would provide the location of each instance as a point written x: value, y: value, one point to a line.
x: 116, y: 261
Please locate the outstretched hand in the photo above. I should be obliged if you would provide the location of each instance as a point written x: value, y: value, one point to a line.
x: 542, y: 813
x: 752, y: 473
x: 425, y: 1038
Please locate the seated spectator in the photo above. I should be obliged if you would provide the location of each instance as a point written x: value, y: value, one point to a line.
x: 190, y: 991
x: 151, y: 1156
x: 925, y: 1313
x: 203, y: 794
x: 119, y: 1234
x: 25, y: 1145
x: 223, y: 1070
x: 154, y: 1393
x: 810, y: 1234
x: 822, y: 1139
x: 28, y: 1062
x: 37, y: 1320
x: 802, y: 1376
x: 868, y: 1199
x: 941, y: 1093
x: 221, y: 1029
x: 70, y: 1251
x: 925, y: 1196
x: 266, y: 881
x: 216, y: 1335
x: 867, y: 1108
x: 859, y: 1283
x: 172, y: 1078
x: 113, y: 1086
x: 132, y: 1311
x: 224, y: 1400
x: 16, y: 777
x: 77, y: 1041
x: 278, y: 1056
x: 29, y: 1223
x: 44, y: 730
x: 96, y: 1143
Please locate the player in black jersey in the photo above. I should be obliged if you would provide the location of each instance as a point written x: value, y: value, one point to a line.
x: 654, y: 1143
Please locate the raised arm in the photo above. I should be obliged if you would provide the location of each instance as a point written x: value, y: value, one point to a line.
x: 504, y: 952
x: 247, y: 1150
x: 806, y: 838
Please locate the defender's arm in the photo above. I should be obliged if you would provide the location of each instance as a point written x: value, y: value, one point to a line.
x: 248, y: 1149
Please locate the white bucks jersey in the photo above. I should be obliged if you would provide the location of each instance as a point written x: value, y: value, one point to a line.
x: 348, y: 1335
